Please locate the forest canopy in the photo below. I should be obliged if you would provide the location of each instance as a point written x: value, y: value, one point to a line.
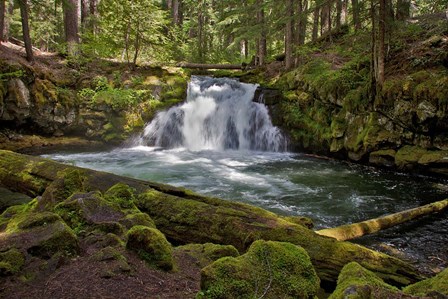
x: 205, y: 31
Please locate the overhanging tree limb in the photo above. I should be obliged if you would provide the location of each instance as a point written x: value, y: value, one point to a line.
x: 359, y: 229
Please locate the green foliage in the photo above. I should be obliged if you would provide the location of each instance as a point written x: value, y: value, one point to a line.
x: 13, y: 74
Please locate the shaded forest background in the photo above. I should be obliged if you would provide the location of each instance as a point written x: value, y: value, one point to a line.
x: 205, y: 31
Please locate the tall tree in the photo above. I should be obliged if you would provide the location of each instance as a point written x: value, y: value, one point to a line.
x: 325, y: 17
x: 403, y: 9
x: 302, y: 7
x: 2, y: 20
x: 177, y: 12
x: 356, y: 15
x: 262, y: 39
x: 289, y: 34
x: 381, y: 42
x: 26, y: 30
x: 316, y: 15
x: 70, y: 8
x: 6, y: 10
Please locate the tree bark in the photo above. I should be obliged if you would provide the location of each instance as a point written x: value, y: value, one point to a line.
x: 26, y: 30
x: 262, y: 40
x: 356, y: 12
x: 7, y: 9
x: 355, y: 230
x: 316, y: 16
x: 302, y: 18
x: 2, y: 20
x: 85, y: 14
x: 186, y: 217
x: 381, y: 43
x: 71, y: 26
x: 289, y: 35
x: 403, y: 10
x: 177, y: 12
x: 338, y: 13
x: 325, y: 18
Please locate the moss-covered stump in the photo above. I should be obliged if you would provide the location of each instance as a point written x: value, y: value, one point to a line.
x: 186, y: 217
x: 431, y: 287
x: 357, y: 282
x: 207, y: 253
x: 268, y: 270
x: 152, y: 246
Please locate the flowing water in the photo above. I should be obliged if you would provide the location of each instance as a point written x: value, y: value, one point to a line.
x: 222, y: 144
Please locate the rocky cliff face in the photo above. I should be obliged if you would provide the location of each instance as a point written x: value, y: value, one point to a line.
x: 328, y: 106
x: 105, y: 104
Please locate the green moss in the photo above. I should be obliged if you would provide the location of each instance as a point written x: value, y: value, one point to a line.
x: 300, y: 220
x: 354, y: 276
x: 408, y: 156
x: 67, y: 182
x: 60, y: 239
x: 269, y: 269
x: 121, y: 194
x: 207, y: 253
x: 431, y: 286
x: 433, y: 157
x: 38, y: 219
x: 138, y: 218
x: 151, y: 245
x: 11, y: 262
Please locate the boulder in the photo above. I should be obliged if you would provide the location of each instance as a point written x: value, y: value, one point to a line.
x: 205, y: 254
x: 268, y: 270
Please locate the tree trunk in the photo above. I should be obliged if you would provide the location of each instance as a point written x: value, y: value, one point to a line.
x: 71, y: 26
x: 338, y: 13
x: 355, y: 230
x: 325, y: 18
x: 381, y: 43
x: 344, y: 12
x: 3, y: 19
x: 356, y: 12
x: 262, y: 40
x: 7, y: 9
x: 316, y: 16
x: 301, y: 22
x: 26, y: 30
x: 94, y: 15
x: 85, y: 14
x: 136, y: 45
x: 177, y: 12
x: 403, y: 10
x: 201, y: 33
x: 289, y: 34
x: 186, y: 217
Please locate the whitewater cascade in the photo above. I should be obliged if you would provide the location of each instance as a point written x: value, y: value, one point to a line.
x: 218, y: 114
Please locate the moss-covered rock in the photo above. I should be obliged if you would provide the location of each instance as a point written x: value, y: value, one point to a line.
x: 407, y: 157
x: 383, y: 158
x: 354, y: 281
x: 207, y: 253
x: 11, y: 262
x: 268, y: 269
x: 151, y: 245
x: 434, y: 286
x: 68, y: 182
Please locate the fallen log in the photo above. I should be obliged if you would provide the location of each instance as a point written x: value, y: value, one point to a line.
x: 186, y: 217
x: 359, y: 229
x: 204, y: 66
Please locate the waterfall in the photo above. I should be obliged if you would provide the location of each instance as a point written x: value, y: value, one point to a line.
x: 218, y: 114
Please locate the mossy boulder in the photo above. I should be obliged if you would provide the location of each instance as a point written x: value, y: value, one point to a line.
x: 207, y: 253
x: 383, y: 158
x: 354, y: 281
x: 67, y: 183
x: 407, y: 157
x: 431, y: 287
x: 151, y: 245
x: 269, y: 269
x: 11, y: 262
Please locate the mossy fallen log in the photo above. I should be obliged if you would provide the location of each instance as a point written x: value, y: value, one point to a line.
x: 186, y: 217
x: 359, y: 229
x: 204, y: 66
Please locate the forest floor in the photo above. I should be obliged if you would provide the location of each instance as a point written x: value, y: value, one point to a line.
x: 85, y: 277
